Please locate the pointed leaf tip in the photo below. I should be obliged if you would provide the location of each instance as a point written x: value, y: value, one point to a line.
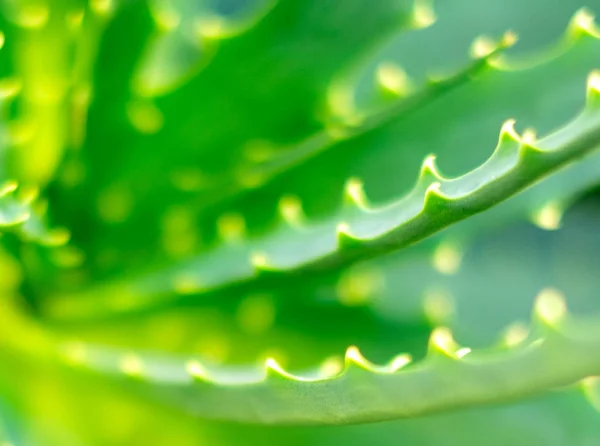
x: 441, y: 343
x: 274, y: 370
x: 434, y: 199
x: 462, y: 352
x: 509, y: 140
x: 482, y: 47
x: 429, y: 171
x: 354, y: 193
x: 345, y: 240
x: 583, y: 22
x: 393, y: 79
x: 529, y: 137
x: 354, y: 356
x: 509, y: 39
x: 593, y: 90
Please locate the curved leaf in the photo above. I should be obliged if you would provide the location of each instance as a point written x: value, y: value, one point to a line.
x: 361, y: 231
x: 560, y: 353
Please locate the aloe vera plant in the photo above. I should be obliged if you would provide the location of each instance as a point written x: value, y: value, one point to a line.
x: 223, y: 222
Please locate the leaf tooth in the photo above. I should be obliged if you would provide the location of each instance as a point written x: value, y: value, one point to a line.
x: 273, y: 370
x: 590, y: 388
x: 392, y: 79
x: 509, y: 140
x: 423, y: 15
x: 593, y: 91
x: 197, y: 371
x: 261, y: 265
x: 345, y: 240
x: 429, y: 172
x: 435, y: 200
x: 583, y: 23
x: 291, y: 212
x: 509, y: 39
x: 550, y: 309
x: 399, y: 362
x: 528, y: 152
x: 496, y: 58
x: 353, y: 359
x: 442, y: 344
x: 354, y: 194
x: 482, y: 47
x: 529, y: 136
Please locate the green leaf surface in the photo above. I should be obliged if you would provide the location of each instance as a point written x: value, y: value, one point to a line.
x: 360, y: 231
x: 559, y: 353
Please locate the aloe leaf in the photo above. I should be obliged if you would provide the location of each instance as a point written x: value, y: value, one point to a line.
x: 555, y: 419
x: 450, y: 376
x: 480, y: 287
x: 363, y: 231
x: 385, y: 305
x: 113, y: 232
x: 46, y: 382
x: 292, y: 97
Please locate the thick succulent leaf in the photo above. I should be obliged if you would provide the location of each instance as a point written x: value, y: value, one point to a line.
x: 271, y: 65
x: 54, y: 396
x: 53, y: 393
x: 285, y: 108
x: 514, y: 88
x: 360, y: 231
x: 383, y: 306
x: 483, y: 286
x: 560, y: 352
x: 192, y: 177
